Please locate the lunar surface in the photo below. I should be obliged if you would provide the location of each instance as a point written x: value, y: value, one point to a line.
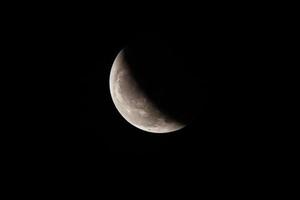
x: 133, y: 102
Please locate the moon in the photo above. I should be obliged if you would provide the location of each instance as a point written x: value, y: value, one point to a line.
x: 154, y: 87
x: 133, y: 103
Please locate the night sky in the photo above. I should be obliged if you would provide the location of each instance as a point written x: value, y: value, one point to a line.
x: 69, y: 127
x: 219, y: 52
x: 104, y: 126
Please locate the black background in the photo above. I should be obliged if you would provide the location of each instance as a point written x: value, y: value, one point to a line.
x: 69, y: 123
x: 219, y: 50
x: 65, y: 124
x: 223, y: 49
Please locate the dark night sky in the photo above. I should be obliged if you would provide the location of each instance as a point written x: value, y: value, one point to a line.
x: 219, y: 50
x: 102, y: 125
x: 226, y: 51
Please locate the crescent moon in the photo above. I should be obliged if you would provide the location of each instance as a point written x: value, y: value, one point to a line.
x: 132, y: 102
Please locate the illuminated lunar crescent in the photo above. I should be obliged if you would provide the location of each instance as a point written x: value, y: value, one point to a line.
x: 133, y: 103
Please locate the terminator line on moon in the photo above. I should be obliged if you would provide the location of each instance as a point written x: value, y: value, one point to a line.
x: 132, y: 102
